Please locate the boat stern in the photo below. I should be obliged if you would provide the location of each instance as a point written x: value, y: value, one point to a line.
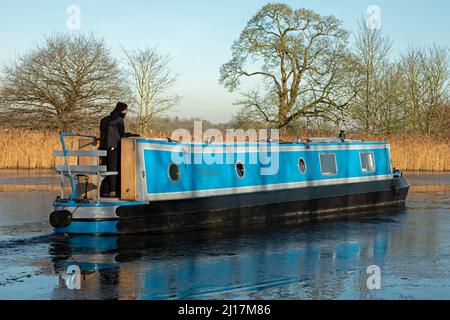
x: 400, y: 186
x: 93, y: 218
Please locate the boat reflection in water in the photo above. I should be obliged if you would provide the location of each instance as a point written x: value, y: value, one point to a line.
x: 322, y: 261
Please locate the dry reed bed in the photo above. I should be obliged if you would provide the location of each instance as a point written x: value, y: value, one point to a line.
x: 431, y: 188
x: 27, y: 149
x: 23, y: 149
x: 31, y: 188
x: 417, y: 152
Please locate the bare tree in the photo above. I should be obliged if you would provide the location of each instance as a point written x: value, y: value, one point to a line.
x: 301, y: 59
x: 66, y: 83
x: 412, y: 78
x: 152, y: 80
x: 389, y: 113
x: 407, y: 96
x: 376, y: 104
x: 426, y: 77
x: 443, y: 119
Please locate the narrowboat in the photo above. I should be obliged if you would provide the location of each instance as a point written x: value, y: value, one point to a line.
x: 169, y: 186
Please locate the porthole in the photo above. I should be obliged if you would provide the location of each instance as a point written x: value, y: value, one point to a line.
x: 174, y: 172
x: 240, y: 170
x: 302, y: 165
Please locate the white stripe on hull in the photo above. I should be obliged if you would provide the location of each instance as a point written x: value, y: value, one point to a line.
x: 255, y: 149
x: 260, y: 188
x: 102, y: 212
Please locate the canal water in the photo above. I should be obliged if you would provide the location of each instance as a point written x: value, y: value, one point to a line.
x: 407, y: 250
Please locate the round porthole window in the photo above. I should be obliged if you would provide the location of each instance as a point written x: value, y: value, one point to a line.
x: 240, y: 170
x: 174, y: 172
x: 302, y: 165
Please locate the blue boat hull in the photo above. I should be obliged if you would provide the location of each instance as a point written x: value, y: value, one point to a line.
x: 172, y: 187
x: 238, y: 210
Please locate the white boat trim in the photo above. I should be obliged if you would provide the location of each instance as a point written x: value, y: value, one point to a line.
x: 259, y: 188
x: 81, y: 212
x: 218, y: 149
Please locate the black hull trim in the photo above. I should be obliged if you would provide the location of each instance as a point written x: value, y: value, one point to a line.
x: 264, y: 208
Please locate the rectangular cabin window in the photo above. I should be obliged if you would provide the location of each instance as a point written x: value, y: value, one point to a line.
x: 328, y: 164
x: 367, y: 162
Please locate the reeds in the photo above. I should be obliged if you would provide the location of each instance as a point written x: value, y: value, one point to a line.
x: 28, y: 149
x: 31, y: 188
x: 418, y: 152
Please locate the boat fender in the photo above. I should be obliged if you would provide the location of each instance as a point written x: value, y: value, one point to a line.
x: 60, y: 218
x: 398, y: 174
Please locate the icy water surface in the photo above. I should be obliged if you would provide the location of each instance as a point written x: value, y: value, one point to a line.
x: 328, y: 260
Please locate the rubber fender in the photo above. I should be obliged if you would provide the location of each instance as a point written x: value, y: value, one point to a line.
x: 60, y: 218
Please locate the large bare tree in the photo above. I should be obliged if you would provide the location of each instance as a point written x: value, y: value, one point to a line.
x: 152, y: 81
x: 66, y: 83
x: 298, y: 59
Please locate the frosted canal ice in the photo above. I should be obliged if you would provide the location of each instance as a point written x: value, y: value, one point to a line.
x: 327, y: 260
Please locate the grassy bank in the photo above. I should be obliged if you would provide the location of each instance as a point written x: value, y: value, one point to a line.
x: 22, y: 149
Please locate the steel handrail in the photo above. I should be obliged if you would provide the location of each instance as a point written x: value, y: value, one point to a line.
x: 62, y: 135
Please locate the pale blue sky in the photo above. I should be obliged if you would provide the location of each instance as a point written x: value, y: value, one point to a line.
x: 199, y: 33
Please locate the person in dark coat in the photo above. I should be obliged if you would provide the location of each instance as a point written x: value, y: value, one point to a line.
x: 112, y: 130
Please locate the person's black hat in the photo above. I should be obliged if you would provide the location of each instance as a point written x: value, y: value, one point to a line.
x: 120, y: 107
